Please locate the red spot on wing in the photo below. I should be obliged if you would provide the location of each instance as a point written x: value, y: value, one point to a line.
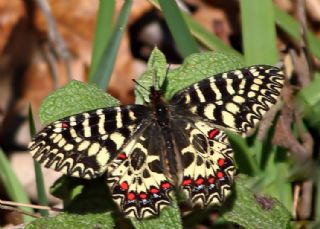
x: 221, y: 162
x: 122, y: 156
x: 165, y: 185
x: 131, y: 196
x: 199, y: 181
x: 154, y: 190
x: 213, y: 133
x: 124, y: 185
x: 143, y: 195
x: 219, y: 175
x: 64, y: 125
x: 186, y: 182
x: 211, y: 180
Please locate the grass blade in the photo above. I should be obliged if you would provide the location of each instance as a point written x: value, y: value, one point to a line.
x: 104, y: 28
x: 258, y: 32
x: 42, y: 197
x: 180, y: 32
x: 317, y: 195
x: 244, y: 157
x: 13, y: 186
x: 308, y: 100
x: 105, y: 66
x: 208, y: 39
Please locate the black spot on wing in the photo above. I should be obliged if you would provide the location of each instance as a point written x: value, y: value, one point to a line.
x: 94, y: 120
x: 236, y: 84
x: 199, y: 161
x: 93, y: 123
x: 208, y: 93
x: 194, y: 98
x: 155, y: 166
x: 111, y: 146
x: 110, y: 124
x: 187, y: 159
x: 145, y: 173
x: 200, y: 143
x: 125, y: 132
x: 125, y: 116
x: 137, y: 158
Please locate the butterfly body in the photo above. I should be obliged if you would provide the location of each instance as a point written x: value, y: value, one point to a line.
x: 150, y: 151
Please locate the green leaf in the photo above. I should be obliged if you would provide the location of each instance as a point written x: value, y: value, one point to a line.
x: 199, y: 66
x: 308, y: 101
x: 66, y: 220
x: 169, y: 218
x: 105, y: 66
x: 13, y: 186
x: 195, y: 67
x: 252, y: 211
x: 157, y: 62
x: 243, y: 156
x: 73, y: 98
x: 156, y: 71
x: 276, y: 175
x: 83, y: 196
x: 180, y: 32
x: 259, y: 36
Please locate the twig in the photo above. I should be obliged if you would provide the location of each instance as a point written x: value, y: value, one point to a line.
x: 285, y: 138
x: 54, y: 36
x: 296, y: 194
x: 304, y: 45
x: 305, y: 202
x: 8, y: 208
x: 53, y: 68
x: 6, y: 204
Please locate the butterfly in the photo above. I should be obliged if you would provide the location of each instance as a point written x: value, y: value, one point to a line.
x: 151, y: 151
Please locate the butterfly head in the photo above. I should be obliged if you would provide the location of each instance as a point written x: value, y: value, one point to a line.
x: 155, y: 95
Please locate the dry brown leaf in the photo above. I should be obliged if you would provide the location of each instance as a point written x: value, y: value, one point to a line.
x: 10, y: 13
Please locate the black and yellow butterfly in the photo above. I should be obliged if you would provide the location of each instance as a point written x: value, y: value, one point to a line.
x: 149, y: 151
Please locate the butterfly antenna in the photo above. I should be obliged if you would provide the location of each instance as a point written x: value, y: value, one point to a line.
x: 166, y: 74
x: 140, y: 85
x: 139, y: 91
x: 154, y: 79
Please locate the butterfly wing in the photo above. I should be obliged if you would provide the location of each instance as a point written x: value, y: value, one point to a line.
x: 82, y: 145
x: 235, y: 100
x: 136, y: 177
x: 207, y: 160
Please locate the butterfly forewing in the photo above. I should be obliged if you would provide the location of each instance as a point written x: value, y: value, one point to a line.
x: 82, y: 145
x: 234, y: 100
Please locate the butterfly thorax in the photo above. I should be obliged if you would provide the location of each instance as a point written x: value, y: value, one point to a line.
x: 159, y: 107
x: 170, y: 159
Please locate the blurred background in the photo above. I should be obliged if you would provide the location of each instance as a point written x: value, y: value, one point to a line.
x: 46, y: 43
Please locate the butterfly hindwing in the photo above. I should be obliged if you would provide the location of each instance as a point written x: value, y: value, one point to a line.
x: 235, y: 100
x: 82, y: 145
x: 136, y: 178
x: 207, y: 160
